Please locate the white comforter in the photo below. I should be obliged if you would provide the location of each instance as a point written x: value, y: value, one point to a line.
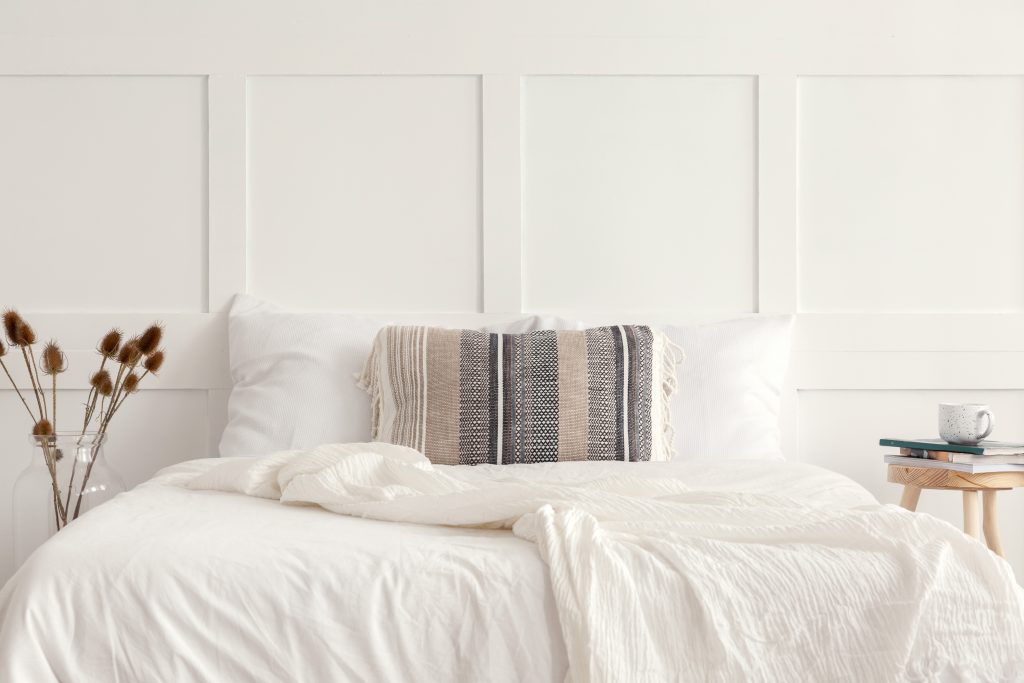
x: 655, y: 571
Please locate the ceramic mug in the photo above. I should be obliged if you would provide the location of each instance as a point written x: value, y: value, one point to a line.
x: 962, y: 423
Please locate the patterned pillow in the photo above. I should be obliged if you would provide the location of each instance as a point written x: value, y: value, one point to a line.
x: 464, y: 397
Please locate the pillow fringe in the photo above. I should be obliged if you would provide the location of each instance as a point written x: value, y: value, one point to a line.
x: 670, y: 360
x: 367, y: 381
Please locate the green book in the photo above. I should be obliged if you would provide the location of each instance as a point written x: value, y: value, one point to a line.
x: 983, y: 447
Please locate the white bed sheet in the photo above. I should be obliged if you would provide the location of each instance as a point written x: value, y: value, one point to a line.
x: 165, y: 583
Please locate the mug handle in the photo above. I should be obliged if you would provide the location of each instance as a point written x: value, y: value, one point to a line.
x: 991, y: 423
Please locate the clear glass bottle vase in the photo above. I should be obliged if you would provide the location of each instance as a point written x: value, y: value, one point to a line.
x: 70, y: 463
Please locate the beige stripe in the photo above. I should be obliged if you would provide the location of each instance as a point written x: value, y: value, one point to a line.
x: 572, y: 396
x: 442, y: 442
x: 421, y: 412
x: 393, y: 384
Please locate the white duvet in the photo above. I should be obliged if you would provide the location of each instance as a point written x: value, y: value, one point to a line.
x: 616, y: 571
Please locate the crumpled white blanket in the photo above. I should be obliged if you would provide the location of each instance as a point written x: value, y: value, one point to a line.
x: 655, y: 581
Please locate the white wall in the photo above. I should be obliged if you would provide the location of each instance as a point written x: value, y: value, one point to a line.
x: 859, y: 164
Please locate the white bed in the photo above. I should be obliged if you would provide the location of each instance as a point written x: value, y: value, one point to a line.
x: 170, y: 584
x: 364, y: 562
x: 645, y: 571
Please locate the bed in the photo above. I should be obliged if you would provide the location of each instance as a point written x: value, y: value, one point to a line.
x: 310, y: 553
x: 172, y: 583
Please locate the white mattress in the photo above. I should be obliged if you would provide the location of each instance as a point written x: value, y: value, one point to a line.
x: 165, y: 583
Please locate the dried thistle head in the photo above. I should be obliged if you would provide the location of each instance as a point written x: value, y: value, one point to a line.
x: 130, y: 353
x: 11, y: 321
x: 53, y: 360
x: 25, y: 335
x: 102, y: 383
x: 154, y: 362
x: 19, y: 332
x: 3, y: 349
x: 131, y: 383
x: 149, y: 341
x: 42, y: 428
x: 110, y: 344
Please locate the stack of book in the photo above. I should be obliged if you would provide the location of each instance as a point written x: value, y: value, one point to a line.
x: 987, y: 456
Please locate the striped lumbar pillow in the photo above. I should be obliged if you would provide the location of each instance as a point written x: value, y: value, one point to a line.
x: 464, y: 397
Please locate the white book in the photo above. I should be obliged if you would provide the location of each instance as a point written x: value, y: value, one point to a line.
x: 970, y: 468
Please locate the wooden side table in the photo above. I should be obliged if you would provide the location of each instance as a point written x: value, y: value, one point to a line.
x: 914, y: 479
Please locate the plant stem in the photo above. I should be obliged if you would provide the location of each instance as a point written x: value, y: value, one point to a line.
x: 51, y: 464
x: 38, y: 385
x: 32, y: 378
x: 116, y: 401
x: 112, y: 409
x: 90, y: 401
x: 89, y: 408
x: 116, y: 393
x: 17, y: 390
x: 53, y: 393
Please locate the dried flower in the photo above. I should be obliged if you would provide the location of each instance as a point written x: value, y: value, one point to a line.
x: 3, y: 349
x: 131, y: 383
x: 149, y: 342
x: 19, y: 332
x: 42, y: 428
x: 53, y: 360
x: 11, y: 322
x: 154, y: 362
x: 102, y: 383
x: 110, y: 344
x: 25, y: 335
x: 130, y: 353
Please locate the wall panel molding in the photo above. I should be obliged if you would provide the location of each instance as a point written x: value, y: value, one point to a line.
x: 502, y: 194
x: 909, y: 193
x: 776, y: 194
x: 227, y: 193
x: 639, y: 193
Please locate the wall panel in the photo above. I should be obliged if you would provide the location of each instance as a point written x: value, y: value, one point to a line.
x: 639, y: 193
x: 103, y: 192
x: 364, y: 192
x: 910, y: 193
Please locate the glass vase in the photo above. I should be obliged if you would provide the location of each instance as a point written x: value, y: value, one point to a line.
x: 68, y: 463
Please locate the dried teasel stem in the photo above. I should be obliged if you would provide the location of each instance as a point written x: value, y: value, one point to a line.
x: 43, y: 431
x: 126, y: 383
x: 21, y: 334
x: 3, y: 352
x: 108, y: 348
x: 53, y: 362
x: 32, y: 378
x: 101, y: 387
x: 144, y: 349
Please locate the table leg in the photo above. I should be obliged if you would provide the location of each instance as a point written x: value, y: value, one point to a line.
x: 911, y: 494
x: 972, y: 526
x: 991, y: 522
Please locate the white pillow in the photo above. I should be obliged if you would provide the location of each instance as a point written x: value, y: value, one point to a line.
x: 294, y: 376
x: 730, y: 388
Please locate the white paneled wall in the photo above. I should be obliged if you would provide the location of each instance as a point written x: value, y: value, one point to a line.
x: 104, y: 182
x: 910, y: 187
x: 348, y: 173
x: 860, y: 166
x: 640, y: 184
